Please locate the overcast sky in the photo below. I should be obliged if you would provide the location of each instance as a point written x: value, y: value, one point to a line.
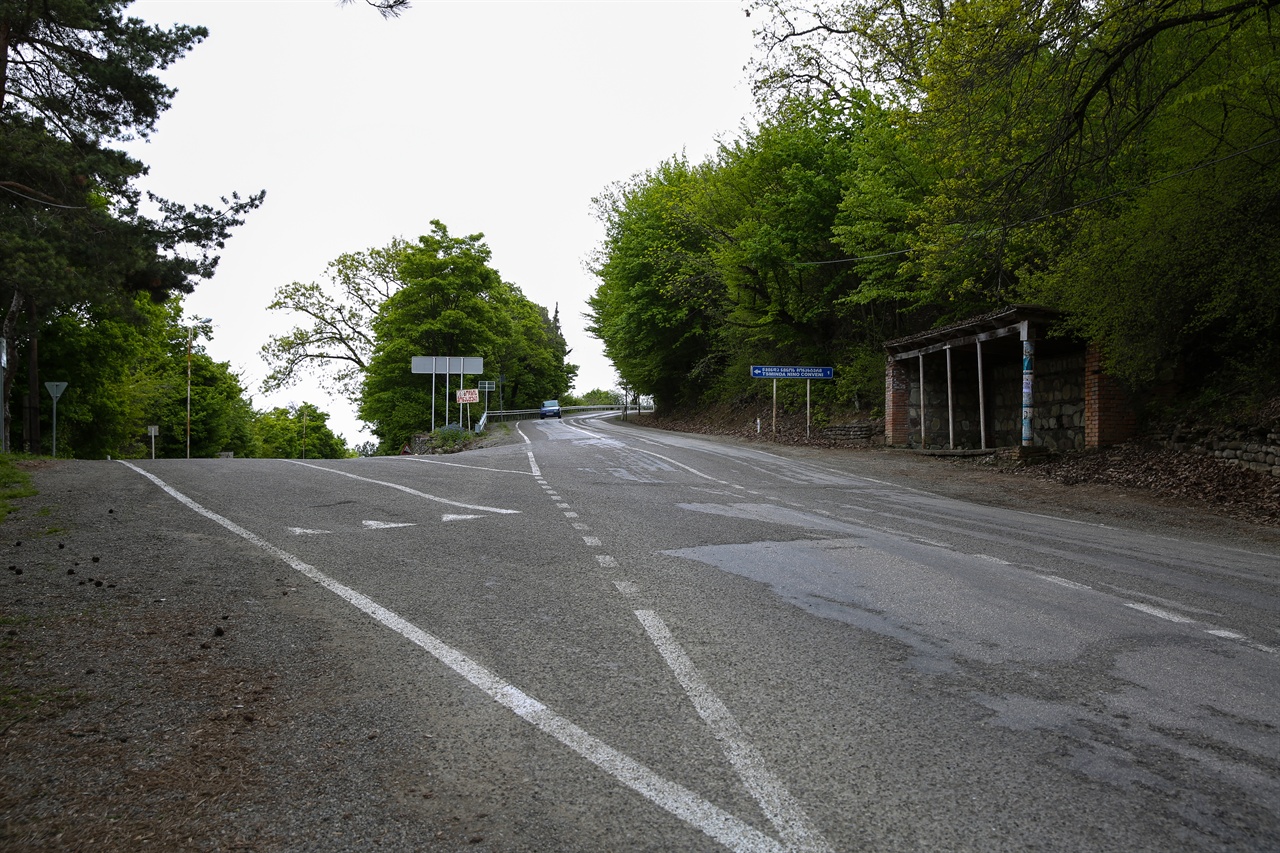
x: 504, y: 118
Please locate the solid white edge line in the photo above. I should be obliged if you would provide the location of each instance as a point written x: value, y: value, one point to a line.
x: 786, y: 815
x: 671, y: 796
x: 414, y: 492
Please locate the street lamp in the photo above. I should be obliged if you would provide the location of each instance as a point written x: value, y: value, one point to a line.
x: 191, y: 330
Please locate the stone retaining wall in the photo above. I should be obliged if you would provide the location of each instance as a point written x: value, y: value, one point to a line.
x: 1257, y: 451
x: 869, y: 431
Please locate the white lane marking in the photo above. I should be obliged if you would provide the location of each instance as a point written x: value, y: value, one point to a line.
x: 1169, y: 615
x: 777, y: 803
x: 675, y: 798
x: 606, y: 562
x: 563, y: 505
x: 578, y: 525
x: 533, y: 463
x: 627, y: 587
x: 427, y: 461
x: 586, y: 432
x: 387, y: 525
x: 414, y: 492
x: 992, y: 559
x: 448, y: 517
x: 682, y: 465
x: 1063, y: 582
x: 1158, y: 612
x: 569, y: 514
x: 593, y: 541
x: 302, y: 531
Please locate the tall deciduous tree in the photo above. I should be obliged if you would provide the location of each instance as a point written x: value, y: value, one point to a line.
x: 661, y: 297
x: 298, y: 432
x: 1116, y: 159
x: 453, y: 303
x: 125, y: 374
x: 338, y: 342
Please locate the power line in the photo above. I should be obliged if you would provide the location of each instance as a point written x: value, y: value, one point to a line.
x: 45, y: 202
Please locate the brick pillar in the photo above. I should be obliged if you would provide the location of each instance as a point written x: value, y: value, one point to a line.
x: 897, y: 399
x: 1109, y: 416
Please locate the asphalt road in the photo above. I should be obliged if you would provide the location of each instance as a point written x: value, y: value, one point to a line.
x: 624, y: 639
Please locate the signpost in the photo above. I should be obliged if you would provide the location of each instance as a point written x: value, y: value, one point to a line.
x: 446, y: 364
x: 153, y: 431
x: 55, y: 390
x: 776, y: 372
x: 486, y: 385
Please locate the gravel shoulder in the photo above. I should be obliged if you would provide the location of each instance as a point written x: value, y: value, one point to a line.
x: 147, y: 701
x: 170, y: 690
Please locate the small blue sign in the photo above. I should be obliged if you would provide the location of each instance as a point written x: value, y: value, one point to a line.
x: 759, y: 371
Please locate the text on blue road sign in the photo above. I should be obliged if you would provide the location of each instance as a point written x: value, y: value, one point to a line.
x: 759, y: 371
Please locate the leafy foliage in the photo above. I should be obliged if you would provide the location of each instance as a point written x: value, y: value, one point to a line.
x: 453, y: 303
x: 339, y: 342
x: 1116, y: 160
x: 298, y: 432
x: 76, y: 76
x: 126, y: 373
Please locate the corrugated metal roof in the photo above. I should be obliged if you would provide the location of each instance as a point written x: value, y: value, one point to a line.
x: 975, y: 325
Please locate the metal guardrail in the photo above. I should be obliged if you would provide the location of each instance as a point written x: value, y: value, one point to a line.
x: 524, y: 414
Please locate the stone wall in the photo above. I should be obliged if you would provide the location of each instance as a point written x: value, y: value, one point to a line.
x: 1256, y: 451
x: 869, y: 431
x: 1059, y: 395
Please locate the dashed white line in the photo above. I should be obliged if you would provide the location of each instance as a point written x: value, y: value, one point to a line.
x: 1063, y: 582
x: 1159, y: 613
x: 606, y: 562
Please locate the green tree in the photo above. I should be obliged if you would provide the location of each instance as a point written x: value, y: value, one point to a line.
x: 601, y: 397
x: 76, y: 76
x: 661, y: 297
x: 126, y: 373
x: 745, y: 259
x: 1115, y: 159
x: 298, y: 432
x: 454, y: 303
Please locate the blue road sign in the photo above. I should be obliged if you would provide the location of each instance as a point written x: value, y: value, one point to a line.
x: 759, y: 371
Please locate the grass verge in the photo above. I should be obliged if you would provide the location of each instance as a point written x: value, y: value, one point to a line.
x: 14, y: 483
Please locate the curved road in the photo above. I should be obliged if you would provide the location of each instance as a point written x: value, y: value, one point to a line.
x: 650, y: 641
